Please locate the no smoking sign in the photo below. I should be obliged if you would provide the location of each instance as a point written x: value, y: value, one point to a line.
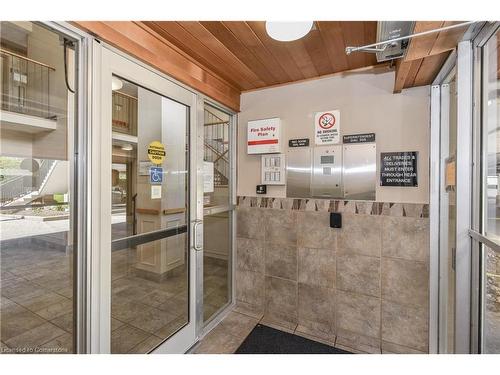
x: 327, y: 127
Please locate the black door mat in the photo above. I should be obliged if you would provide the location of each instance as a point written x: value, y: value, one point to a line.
x: 267, y: 340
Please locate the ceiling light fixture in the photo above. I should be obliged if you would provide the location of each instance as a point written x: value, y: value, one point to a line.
x: 127, y: 147
x: 288, y: 31
x: 116, y: 83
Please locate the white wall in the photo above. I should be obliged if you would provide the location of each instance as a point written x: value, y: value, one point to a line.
x: 366, y: 104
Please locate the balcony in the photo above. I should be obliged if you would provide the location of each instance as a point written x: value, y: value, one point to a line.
x: 25, y: 94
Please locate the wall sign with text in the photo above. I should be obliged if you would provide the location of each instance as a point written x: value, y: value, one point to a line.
x: 264, y: 136
x: 327, y: 127
x: 300, y: 142
x: 399, y: 169
x: 359, y: 138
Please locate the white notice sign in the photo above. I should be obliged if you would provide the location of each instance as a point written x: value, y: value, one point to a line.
x: 208, y: 177
x: 327, y: 127
x: 264, y: 136
x: 155, y: 191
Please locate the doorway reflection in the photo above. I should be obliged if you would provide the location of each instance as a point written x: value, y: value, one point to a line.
x: 150, y: 279
x: 217, y: 212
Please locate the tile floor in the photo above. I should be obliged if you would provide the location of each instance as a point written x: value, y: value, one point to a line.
x: 37, y: 301
x: 228, y: 335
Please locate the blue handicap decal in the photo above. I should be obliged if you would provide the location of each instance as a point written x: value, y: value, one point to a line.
x: 156, y: 175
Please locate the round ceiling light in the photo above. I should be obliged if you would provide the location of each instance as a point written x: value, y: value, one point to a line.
x: 288, y: 31
x: 127, y: 147
x: 116, y: 83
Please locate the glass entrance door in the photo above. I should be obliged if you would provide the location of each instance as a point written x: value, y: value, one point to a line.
x: 490, y: 233
x: 448, y: 212
x: 146, y: 259
x: 217, y: 211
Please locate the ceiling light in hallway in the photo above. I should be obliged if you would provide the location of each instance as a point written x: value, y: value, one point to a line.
x: 288, y: 31
x: 116, y: 83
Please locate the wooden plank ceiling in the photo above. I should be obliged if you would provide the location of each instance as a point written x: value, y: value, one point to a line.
x: 224, y: 58
x: 243, y: 54
x: 426, y: 55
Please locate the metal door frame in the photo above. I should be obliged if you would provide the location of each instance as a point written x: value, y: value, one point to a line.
x: 204, y: 327
x: 88, y: 184
x: 107, y: 61
x: 80, y: 177
x: 479, y: 240
x: 439, y: 118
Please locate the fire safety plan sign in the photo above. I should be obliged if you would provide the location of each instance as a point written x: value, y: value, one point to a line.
x: 264, y: 136
x: 327, y: 127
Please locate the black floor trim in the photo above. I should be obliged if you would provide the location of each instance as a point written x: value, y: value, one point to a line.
x: 267, y: 340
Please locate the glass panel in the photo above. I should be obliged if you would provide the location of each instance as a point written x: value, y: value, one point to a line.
x: 491, y: 325
x: 491, y: 126
x: 217, y: 224
x: 216, y: 157
x: 216, y: 255
x: 491, y: 123
x: 36, y: 158
x: 150, y: 281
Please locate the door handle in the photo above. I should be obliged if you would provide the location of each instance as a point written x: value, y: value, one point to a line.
x: 198, y: 235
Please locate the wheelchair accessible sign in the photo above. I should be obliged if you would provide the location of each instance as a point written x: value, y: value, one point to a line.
x: 156, y: 154
x: 155, y: 175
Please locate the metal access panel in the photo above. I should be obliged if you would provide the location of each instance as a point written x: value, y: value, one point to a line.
x: 360, y: 171
x: 387, y: 30
x: 326, y: 179
x: 298, y: 172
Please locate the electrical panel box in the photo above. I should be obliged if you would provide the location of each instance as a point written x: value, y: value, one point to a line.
x: 273, y: 169
x: 326, y: 179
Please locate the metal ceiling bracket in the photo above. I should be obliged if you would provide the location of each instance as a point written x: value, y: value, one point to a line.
x: 374, y: 46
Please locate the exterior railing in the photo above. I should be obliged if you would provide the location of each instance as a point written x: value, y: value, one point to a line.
x: 25, y: 85
x: 19, y: 186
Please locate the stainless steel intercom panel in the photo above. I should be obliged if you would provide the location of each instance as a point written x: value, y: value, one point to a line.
x: 326, y: 179
x: 298, y: 172
x: 360, y: 171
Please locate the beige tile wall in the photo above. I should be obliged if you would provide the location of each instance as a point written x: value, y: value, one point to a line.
x: 364, y: 286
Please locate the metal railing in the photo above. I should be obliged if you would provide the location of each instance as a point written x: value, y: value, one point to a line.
x: 19, y: 186
x: 25, y: 85
x: 493, y: 245
x: 216, y: 148
x: 15, y: 188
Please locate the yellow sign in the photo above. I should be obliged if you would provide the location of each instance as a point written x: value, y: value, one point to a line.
x: 156, y: 152
x: 450, y: 174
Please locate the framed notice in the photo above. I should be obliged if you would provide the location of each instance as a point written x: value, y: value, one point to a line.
x: 399, y: 169
x: 264, y: 136
x: 327, y: 127
x: 144, y: 167
x: 208, y: 177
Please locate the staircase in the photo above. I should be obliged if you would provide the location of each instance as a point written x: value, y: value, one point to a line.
x: 26, y: 188
x: 216, y: 141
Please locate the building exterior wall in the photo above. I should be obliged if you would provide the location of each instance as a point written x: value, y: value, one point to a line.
x: 364, y: 286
